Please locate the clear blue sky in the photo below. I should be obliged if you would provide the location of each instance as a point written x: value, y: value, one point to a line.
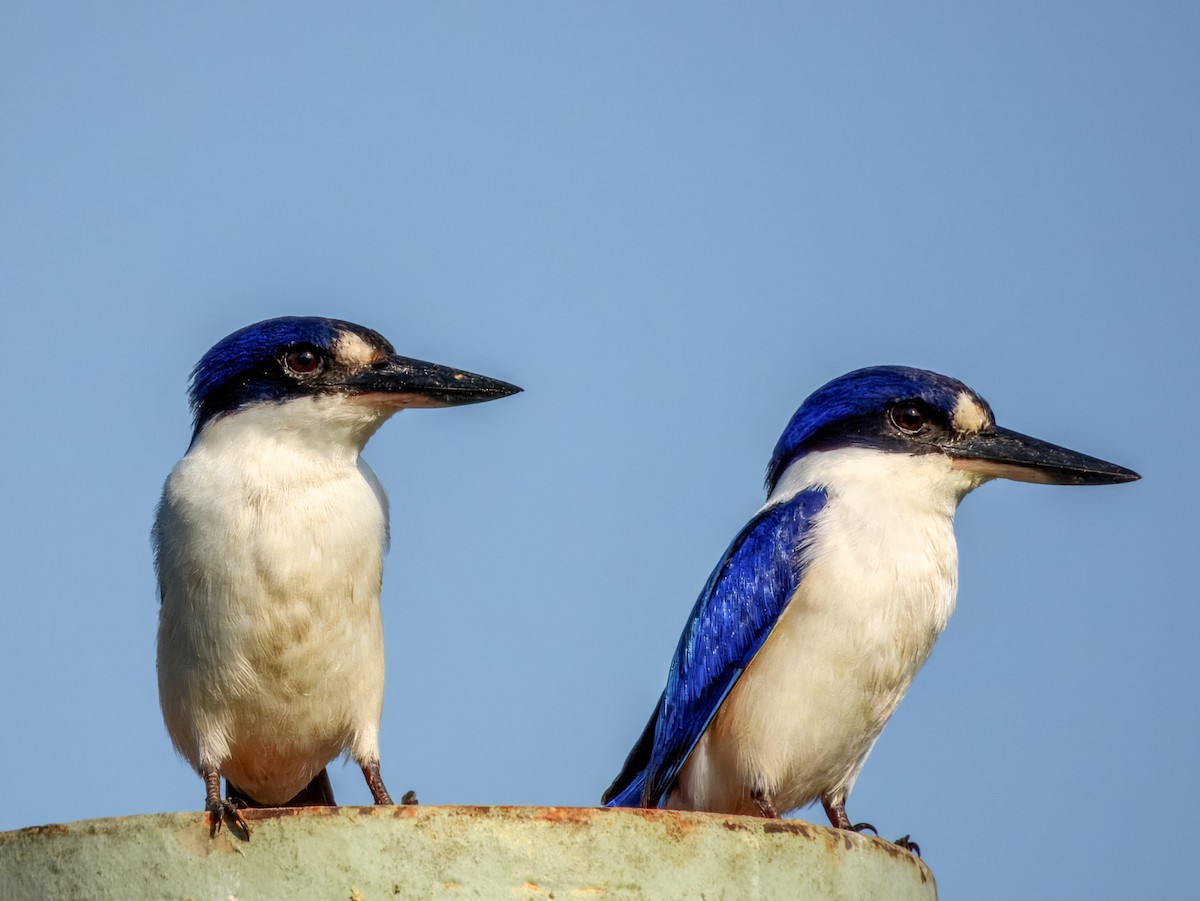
x: 668, y: 223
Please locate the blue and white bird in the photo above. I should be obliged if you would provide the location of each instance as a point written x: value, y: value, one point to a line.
x: 817, y: 618
x: 269, y: 543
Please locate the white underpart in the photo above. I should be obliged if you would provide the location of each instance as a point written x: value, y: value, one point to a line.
x: 270, y: 539
x: 878, y: 591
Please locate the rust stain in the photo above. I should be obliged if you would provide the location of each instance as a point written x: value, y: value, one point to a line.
x: 259, y: 814
x: 792, y: 827
x: 677, y: 824
x: 897, y: 852
x: 679, y: 829
x: 574, y: 816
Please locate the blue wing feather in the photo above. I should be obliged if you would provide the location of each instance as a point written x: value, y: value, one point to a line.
x: 732, y: 618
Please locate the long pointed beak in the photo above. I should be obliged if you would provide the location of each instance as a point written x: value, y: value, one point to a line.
x: 404, y: 382
x: 1006, y: 454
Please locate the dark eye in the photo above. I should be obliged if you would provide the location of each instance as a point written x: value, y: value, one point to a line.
x: 303, y: 360
x: 908, y: 417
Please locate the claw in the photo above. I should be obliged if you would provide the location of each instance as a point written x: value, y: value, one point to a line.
x: 765, y: 806
x: 908, y: 845
x: 409, y: 798
x: 222, y: 811
x: 863, y: 827
x: 227, y: 812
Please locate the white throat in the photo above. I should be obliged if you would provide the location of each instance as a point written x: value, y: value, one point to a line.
x: 333, y: 425
x: 884, y: 479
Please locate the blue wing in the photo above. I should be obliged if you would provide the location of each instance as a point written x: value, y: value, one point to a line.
x: 732, y: 618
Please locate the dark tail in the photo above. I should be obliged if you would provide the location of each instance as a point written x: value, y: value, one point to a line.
x: 626, y: 790
x: 629, y: 796
x: 318, y: 793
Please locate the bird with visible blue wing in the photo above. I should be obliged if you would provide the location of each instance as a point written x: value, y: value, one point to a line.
x: 818, y: 616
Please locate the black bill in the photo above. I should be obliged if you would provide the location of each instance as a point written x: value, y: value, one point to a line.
x: 1010, y: 455
x: 416, y: 383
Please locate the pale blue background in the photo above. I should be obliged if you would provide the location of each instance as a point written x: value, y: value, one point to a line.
x: 669, y: 223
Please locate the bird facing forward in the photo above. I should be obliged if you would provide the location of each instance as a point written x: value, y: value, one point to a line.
x: 269, y: 542
x: 813, y: 624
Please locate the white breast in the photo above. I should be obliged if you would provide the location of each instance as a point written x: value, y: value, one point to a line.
x: 270, y: 545
x: 878, y: 590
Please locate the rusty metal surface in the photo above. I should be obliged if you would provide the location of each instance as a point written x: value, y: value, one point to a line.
x: 457, y: 852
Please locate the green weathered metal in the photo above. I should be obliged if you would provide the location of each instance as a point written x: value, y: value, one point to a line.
x: 371, y: 853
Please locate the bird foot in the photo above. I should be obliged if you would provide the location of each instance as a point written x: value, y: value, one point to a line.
x: 863, y: 827
x: 226, y: 812
x: 409, y: 798
x: 765, y: 806
x: 908, y: 845
x: 221, y: 811
x: 370, y: 772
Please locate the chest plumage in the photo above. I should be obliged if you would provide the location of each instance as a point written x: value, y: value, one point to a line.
x: 880, y: 576
x: 271, y: 642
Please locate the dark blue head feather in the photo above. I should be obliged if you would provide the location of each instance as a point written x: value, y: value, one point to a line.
x: 860, y: 393
x: 242, y: 369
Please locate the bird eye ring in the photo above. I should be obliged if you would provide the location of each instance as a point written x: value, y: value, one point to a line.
x: 303, y: 360
x: 908, y: 417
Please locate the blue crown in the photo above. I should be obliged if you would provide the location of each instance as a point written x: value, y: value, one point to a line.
x: 860, y: 393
